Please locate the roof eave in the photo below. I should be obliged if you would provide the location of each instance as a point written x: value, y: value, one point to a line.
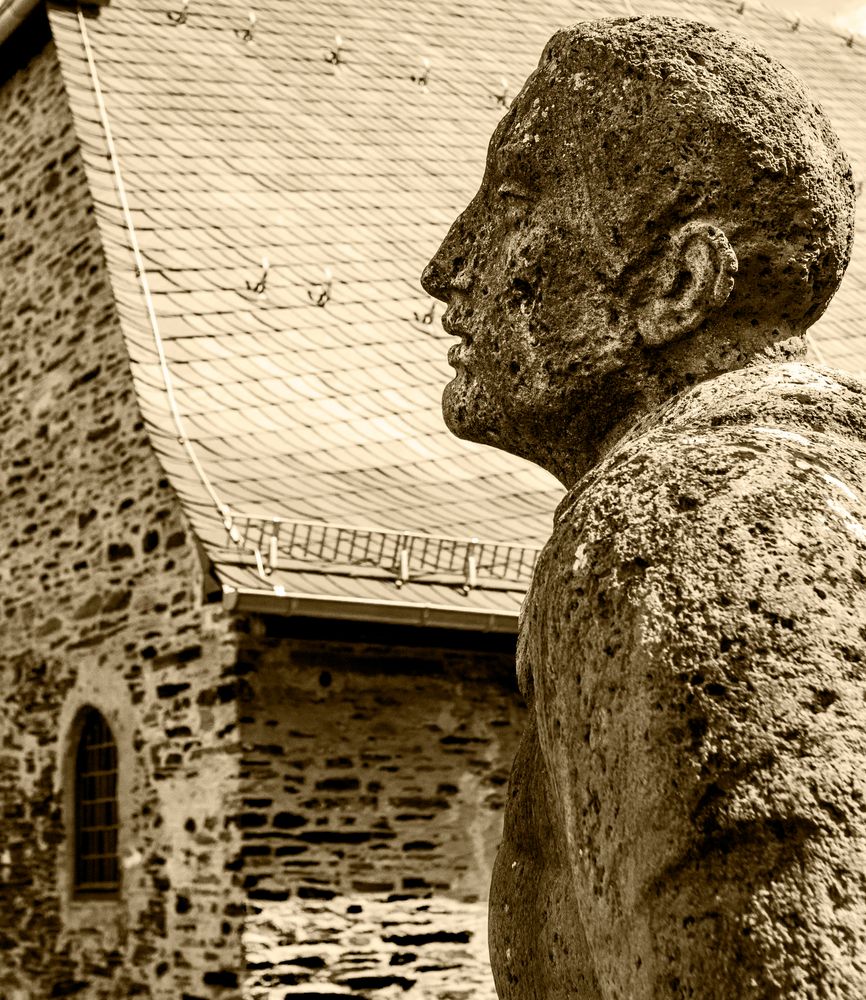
x: 358, y: 609
x: 13, y: 13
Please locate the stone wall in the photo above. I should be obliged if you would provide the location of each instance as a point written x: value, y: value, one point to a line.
x: 322, y: 813
x: 101, y: 596
x: 374, y: 772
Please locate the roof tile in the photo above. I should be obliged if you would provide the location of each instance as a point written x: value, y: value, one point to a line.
x: 229, y: 152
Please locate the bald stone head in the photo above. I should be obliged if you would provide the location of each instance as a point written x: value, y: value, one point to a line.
x: 661, y: 203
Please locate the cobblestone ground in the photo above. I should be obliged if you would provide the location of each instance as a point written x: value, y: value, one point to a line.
x: 426, y: 949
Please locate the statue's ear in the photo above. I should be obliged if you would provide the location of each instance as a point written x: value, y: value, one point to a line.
x: 694, y: 277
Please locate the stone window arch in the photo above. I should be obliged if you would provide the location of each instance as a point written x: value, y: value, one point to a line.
x: 96, y: 862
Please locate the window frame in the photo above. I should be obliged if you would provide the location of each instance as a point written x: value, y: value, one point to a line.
x: 92, y: 724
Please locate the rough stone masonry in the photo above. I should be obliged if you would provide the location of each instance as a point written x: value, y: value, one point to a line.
x: 305, y: 807
x: 663, y: 214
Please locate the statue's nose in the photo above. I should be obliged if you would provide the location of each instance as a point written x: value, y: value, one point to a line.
x: 432, y: 279
x: 453, y: 274
x: 451, y: 267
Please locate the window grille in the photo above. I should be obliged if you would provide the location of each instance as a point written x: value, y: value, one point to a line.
x: 96, y: 823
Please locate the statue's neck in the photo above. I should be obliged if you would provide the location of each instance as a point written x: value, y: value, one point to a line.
x: 572, y: 442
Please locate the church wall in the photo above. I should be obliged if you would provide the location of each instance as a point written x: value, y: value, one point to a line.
x: 338, y: 836
x: 101, y: 596
x: 374, y: 772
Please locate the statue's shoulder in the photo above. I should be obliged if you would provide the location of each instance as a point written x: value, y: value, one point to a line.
x: 770, y: 459
x: 738, y: 507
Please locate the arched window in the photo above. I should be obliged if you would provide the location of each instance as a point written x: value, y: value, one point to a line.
x: 96, y: 861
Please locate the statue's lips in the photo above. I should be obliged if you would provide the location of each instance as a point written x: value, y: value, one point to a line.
x: 456, y: 351
x: 455, y: 354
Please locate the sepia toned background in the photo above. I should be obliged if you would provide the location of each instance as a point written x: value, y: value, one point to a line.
x: 232, y: 521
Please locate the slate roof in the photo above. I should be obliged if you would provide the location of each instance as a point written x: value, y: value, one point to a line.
x: 277, y: 419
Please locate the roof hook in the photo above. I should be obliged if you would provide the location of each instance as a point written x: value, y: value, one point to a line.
x: 402, y: 569
x: 849, y: 41
x: 742, y: 8
x: 422, y: 78
x: 320, y: 293
x: 795, y: 25
x: 501, y: 93
x: 246, y: 34
x: 229, y: 524
x: 427, y: 318
x: 335, y: 56
x: 180, y: 16
x: 260, y: 287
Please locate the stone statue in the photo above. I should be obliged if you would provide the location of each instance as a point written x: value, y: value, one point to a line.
x: 663, y: 213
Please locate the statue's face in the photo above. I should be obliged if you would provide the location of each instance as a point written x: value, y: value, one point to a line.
x: 521, y: 271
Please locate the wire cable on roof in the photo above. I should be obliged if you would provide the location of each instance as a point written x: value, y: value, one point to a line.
x: 141, y: 273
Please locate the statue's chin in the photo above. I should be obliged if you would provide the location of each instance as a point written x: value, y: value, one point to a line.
x: 461, y: 410
x: 453, y: 407
x: 472, y: 414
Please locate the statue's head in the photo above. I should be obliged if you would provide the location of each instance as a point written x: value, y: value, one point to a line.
x: 661, y: 203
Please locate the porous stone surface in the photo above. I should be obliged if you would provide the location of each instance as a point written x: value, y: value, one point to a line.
x: 663, y: 213
x: 661, y: 203
x: 696, y: 641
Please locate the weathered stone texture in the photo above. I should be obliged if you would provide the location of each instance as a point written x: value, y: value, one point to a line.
x: 101, y: 602
x: 374, y: 779
x: 664, y: 212
x: 639, y: 227
x: 369, y: 944
x: 695, y: 641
